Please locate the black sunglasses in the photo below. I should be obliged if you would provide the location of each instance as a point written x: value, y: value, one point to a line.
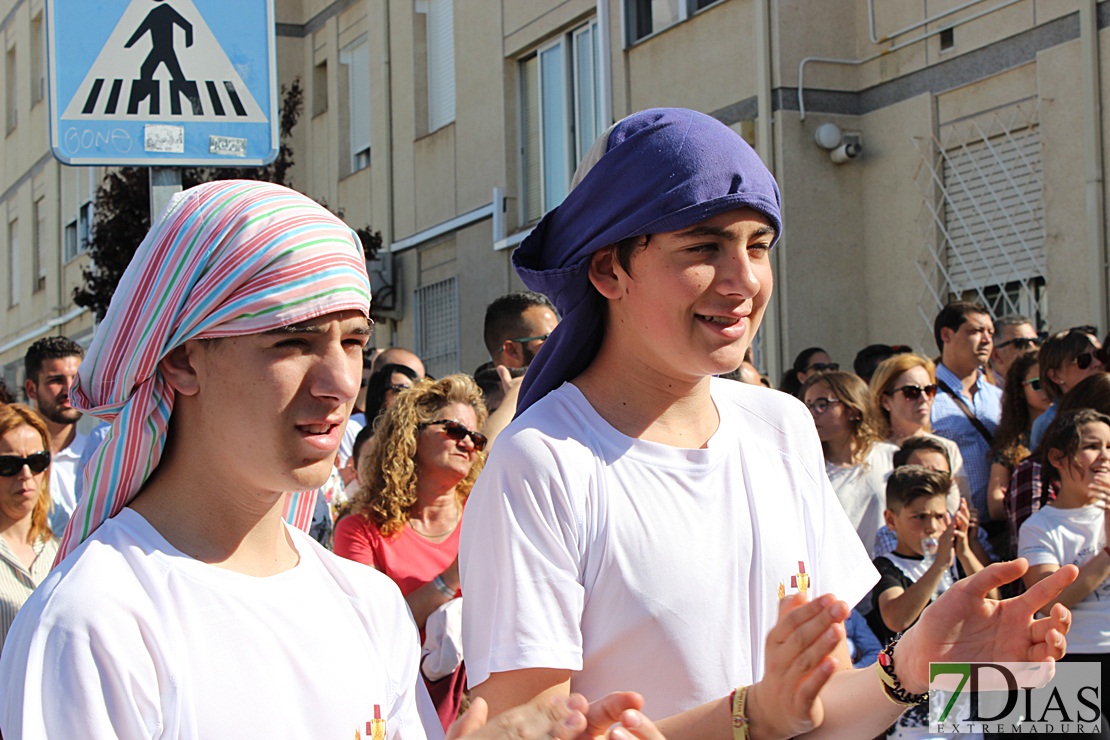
x: 526, y: 340
x: 1085, y: 360
x: 11, y: 464
x: 1034, y: 383
x: 913, y: 392
x: 821, y: 367
x: 458, y: 432
x: 1022, y: 343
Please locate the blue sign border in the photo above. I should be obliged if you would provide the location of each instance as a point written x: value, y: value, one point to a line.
x: 121, y: 142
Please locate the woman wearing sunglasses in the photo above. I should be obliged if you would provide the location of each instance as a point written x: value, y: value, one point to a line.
x: 405, y: 517
x: 384, y: 386
x: 27, y: 546
x: 903, y: 388
x: 809, y: 361
x: 1023, y: 400
x: 857, y: 460
x: 1066, y: 358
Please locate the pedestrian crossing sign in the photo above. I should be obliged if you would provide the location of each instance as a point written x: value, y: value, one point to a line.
x: 162, y: 82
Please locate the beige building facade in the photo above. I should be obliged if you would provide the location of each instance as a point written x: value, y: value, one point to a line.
x: 452, y: 126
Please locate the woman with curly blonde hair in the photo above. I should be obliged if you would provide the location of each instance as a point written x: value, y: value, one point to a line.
x: 418, y: 470
x: 857, y: 460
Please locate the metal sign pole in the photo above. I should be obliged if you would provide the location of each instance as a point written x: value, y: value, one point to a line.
x: 164, y: 182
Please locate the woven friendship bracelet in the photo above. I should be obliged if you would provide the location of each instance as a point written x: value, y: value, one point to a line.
x: 740, y: 722
x: 892, y: 687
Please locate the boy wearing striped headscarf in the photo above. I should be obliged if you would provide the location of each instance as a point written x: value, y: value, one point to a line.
x: 640, y: 524
x: 183, y: 605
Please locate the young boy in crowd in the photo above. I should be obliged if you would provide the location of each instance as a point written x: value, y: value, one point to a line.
x: 909, y: 579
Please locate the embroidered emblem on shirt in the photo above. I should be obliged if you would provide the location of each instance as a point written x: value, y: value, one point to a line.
x: 375, y: 728
x: 799, y: 581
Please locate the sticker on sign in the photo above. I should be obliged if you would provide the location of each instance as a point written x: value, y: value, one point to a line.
x: 160, y: 137
x: 227, y: 146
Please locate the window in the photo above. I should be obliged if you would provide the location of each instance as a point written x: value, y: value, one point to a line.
x: 560, y: 115
x: 645, y: 17
x: 441, y: 63
x: 356, y: 58
x: 38, y: 246
x: 38, y: 60
x: 71, y: 240
x: 13, y: 262
x: 437, y: 326
x: 12, y: 89
x: 320, y: 88
x: 85, y: 230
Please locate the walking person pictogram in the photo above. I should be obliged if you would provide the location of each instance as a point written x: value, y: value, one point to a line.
x: 160, y: 23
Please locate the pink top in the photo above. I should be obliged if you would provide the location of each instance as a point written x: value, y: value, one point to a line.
x: 409, y: 559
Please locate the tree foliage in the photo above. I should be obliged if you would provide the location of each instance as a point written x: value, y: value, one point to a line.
x: 123, y: 209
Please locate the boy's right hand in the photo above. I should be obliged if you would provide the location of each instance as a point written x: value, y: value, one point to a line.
x: 946, y: 545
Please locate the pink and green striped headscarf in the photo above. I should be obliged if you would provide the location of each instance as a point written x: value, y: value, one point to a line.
x: 224, y: 259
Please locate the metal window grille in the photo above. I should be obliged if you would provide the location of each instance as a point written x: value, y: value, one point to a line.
x: 982, y: 187
x: 438, y: 343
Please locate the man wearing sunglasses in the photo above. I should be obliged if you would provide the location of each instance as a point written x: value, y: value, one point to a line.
x: 968, y: 407
x: 516, y: 326
x: 1014, y: 335
x: 1066, y: 358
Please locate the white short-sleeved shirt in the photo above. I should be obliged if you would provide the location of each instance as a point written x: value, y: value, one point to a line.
x: 861, y: 490
x: 1055, y: 536
x: 646, y: 567
x: 63, y: 482
x: 131, y: 638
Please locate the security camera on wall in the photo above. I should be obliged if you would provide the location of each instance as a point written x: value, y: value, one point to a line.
x: 840, y: 145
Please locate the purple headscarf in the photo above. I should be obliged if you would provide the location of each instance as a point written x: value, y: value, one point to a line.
x: 663, y: 169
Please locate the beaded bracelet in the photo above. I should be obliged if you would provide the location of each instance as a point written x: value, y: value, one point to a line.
x: 740, y: 722
x: 892, y: 687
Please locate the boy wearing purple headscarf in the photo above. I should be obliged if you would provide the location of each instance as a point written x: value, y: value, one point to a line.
x: 640, y: 524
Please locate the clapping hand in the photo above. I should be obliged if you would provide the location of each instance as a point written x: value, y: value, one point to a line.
x: 799, y: 663
x: 615, y: 716
x: 965, y: 626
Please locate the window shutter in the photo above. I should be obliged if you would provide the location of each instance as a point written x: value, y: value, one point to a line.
x: 441, y: 63
x: 993, y: 210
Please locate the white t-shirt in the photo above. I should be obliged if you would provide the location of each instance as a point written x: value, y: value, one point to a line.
x: 63, y: 482
x: 643, y: 566
x: 131, y: 638
x: 861, y: 490
x: 347, y: 442
x: 1060, y: 536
